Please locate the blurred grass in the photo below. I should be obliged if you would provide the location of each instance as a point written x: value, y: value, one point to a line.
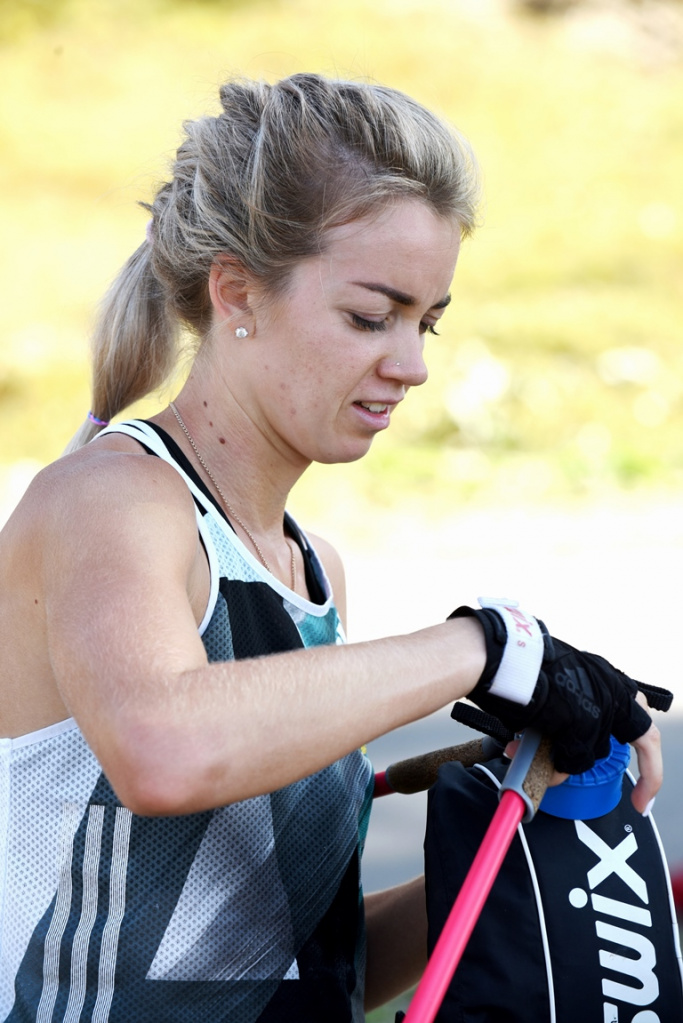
x: 387, y: 1013
x: 560, y: 366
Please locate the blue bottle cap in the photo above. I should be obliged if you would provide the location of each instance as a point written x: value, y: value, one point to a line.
x: 593, y: 793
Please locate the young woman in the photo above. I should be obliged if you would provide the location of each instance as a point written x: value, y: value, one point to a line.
x: 180, y: 815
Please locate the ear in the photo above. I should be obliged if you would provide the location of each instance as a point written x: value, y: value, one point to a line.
x: 230, y: 287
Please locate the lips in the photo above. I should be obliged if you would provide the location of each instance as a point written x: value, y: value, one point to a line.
x: 373, y: 406
x: 379, y: 405
x: 376, y: 415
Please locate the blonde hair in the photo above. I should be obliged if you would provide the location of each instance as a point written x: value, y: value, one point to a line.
x: 262, y: 182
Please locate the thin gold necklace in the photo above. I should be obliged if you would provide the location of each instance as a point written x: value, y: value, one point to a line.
x: 231, y: 511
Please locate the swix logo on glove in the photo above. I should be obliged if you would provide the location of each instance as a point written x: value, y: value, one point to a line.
x: 521, y: 622
x: 520, y: 664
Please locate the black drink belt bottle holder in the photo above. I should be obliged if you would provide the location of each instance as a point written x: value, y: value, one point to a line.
x: 579, y: 926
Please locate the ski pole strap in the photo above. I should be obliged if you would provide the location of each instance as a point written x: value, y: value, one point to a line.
x: 529, y: 772
x: 657, y: 698
x: 480, y: 721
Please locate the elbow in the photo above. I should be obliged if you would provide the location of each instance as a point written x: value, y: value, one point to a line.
x: 145, y: 792
x: 147, y: 778
x: 156, y: 771
x: 142, y: 786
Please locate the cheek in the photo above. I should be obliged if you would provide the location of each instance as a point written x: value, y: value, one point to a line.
x: 301, y: 396
x: 319, y: 369
x: 287, y: 404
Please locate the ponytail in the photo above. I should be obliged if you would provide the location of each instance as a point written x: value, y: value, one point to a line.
x: 133, y: 346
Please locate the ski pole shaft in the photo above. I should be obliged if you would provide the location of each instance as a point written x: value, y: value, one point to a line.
x: 465, y: 912
x: 479, y: 881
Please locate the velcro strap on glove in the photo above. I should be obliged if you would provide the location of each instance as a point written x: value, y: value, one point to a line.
x: 520, y: 666
x: 479, y: 720
x: 514, y: 648
x: 657, y: 698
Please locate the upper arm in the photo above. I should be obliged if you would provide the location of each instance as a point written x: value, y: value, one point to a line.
x: 120, y: 543
x: 334, y: 569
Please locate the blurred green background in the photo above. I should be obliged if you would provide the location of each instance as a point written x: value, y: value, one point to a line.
x: 558, y: 375
x: 559, y: 370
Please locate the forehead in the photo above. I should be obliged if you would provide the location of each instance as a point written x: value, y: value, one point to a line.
x: 406, y: 247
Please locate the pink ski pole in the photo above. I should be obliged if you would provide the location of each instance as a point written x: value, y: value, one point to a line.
x: 521, y: 792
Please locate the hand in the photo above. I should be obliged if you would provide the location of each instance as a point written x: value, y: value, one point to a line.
x: 650, y: 768
x: 577, y: 699
x: 587, y: 701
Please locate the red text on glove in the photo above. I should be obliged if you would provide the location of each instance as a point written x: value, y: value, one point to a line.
x: 522, y: 623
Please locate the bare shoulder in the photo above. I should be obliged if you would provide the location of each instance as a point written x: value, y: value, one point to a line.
x: 90, y: 534
x: 100, y: 510
x: 103, y: 486
x: 334, y: 569
x: 329, y: 557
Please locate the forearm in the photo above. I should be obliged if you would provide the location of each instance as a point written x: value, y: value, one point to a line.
x: 224, y: 732
x: 396, y: 922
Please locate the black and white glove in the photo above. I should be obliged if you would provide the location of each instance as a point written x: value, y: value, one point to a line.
x: 577, y: 699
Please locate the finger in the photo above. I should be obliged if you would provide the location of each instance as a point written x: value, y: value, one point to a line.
x: 650, y: 768
x: 641, y: 699
x: 557, y: 778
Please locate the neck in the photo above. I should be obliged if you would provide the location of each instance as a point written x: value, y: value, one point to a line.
x: 254, y: 476
x: 237, y: 520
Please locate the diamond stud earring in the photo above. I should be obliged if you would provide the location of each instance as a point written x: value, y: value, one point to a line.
x: 241, y: 332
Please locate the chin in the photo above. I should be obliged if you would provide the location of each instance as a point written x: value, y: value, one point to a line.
x: 342, y: 457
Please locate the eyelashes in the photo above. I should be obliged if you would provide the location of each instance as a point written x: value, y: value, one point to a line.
x: 362, y: 324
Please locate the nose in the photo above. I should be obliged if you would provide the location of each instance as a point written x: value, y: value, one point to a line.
x: 405, y: 363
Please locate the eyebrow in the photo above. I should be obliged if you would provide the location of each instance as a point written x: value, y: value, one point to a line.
x: 399, y: 296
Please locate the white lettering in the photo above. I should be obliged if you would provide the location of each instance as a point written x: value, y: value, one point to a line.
x: 611, y: 1015
x: 612, y: 861
x: 640, y: 968
x: 622, y: 910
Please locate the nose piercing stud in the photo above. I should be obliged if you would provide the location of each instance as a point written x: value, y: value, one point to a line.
x: 241, y: 332
x: 397, y: 364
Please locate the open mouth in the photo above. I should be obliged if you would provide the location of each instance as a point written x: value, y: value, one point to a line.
x: 373, y: 406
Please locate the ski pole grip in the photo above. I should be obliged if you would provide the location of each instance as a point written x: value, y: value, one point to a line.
x: 419, y: 773
x: 530, y: 772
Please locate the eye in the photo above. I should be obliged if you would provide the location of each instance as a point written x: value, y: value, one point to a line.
x: 362, y: 324
x: 428, y: 328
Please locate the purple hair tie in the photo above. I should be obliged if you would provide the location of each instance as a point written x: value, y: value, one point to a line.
x: 96, y: 421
